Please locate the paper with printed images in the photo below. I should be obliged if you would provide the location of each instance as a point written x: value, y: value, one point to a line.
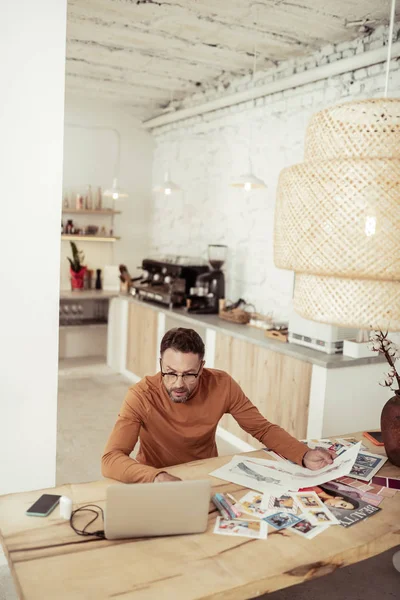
x: 277, y: 478
x: 367, y: 465
x: 251, y: 504
x: 241, y: 528
x: 283, y: 503
x: 307, y: 529
x: 315, y: 510
x: 281, y: 520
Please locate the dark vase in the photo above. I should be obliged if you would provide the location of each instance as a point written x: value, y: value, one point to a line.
x: 390, y: 426
x: 98, y: 279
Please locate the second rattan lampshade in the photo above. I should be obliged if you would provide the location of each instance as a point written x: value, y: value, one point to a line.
x: 337, y: 219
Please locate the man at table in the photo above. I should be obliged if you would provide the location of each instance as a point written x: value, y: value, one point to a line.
x: 175, y: 414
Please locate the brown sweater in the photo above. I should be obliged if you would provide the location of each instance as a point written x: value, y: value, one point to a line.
x: 173, y: 433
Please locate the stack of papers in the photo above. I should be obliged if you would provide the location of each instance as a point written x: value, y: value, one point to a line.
x: 269, y: 476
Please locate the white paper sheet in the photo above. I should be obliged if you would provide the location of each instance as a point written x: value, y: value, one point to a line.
x: 274, y: 477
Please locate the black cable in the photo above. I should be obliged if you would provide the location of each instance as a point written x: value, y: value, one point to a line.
x: 100, y: 533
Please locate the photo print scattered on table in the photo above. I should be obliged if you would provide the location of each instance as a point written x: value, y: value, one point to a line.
x: 284, y: 503
x: 306, y: 529
x: 241, y: 528
x: 313, y: 507
x: 367, y: 465
x: 281, y: 520
x: 251, y: 504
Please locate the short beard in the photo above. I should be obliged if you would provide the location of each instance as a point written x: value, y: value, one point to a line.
x: 182, y: 400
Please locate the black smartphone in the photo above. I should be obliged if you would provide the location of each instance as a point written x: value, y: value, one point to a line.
x: 43, y: 506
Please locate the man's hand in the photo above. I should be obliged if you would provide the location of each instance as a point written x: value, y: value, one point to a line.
x: 318, y: 458
x: 161, y: 477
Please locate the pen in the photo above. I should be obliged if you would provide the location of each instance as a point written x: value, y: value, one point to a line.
x: 221, y: 509
x: 232, y: 503
x: 226, y: 505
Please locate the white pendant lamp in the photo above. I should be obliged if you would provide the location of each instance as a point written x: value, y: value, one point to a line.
x: 249, y: 181
x: 337, y: 217
x: 115, y: 192
x: 168, y: 187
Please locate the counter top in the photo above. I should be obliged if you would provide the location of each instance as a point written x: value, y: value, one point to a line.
x: 87, y: 294
x: 257, y: 336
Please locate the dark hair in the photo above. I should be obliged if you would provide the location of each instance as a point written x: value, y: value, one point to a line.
x: 183, y: 340
x: 334, y: 493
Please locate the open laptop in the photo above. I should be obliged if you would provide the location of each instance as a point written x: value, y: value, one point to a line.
x: 152, y: 509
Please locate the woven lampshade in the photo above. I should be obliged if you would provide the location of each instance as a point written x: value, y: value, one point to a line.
x: 337, y: 218
x: 361, y: 303
x: 361, y: 129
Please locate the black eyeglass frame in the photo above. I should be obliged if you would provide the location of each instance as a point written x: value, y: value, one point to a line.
x: 163, y: 374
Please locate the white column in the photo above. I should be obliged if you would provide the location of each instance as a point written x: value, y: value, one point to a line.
x: 32, y: 46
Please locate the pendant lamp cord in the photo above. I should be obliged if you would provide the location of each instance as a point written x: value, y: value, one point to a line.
x: 392, y: 17
x: 251, y: 120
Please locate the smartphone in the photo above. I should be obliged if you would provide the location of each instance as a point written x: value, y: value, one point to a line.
x: 43, y: 506
x: 375, y: 437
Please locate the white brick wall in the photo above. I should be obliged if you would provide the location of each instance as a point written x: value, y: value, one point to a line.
x: 204, y: 153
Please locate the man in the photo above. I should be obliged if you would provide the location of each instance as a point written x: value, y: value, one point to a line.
x: 176, y: 412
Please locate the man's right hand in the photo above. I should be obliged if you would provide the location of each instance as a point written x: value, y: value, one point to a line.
x: 162, y: 477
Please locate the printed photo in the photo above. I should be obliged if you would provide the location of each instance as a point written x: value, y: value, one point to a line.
x: 281, y: 520
x: 360, y: 471
x: 251, y: 504
x: 336, y: 447
x: 368, y: 461
x: 306, y: 529
x: 241, y: 528
x: 284, y: 503
x: 320, y: 516
x: 307, y: 500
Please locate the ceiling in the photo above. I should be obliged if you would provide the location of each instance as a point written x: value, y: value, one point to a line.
x: 143, y: 54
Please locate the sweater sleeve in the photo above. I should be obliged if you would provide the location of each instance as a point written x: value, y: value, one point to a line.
x: 251, y: 420
x: 116, y: 462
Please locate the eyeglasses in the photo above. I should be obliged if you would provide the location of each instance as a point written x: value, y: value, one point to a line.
x: 171, y: 378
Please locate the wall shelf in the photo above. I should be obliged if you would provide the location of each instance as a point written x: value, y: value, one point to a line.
x: 84, y: 211
x: 89, y: 238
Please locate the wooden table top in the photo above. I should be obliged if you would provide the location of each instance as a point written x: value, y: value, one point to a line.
x: 48, y: 560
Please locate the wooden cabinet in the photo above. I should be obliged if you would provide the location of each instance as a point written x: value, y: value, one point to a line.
x: 142, y: 351
x: 277, y: 384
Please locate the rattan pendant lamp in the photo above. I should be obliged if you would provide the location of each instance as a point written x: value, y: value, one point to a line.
x: 337, y: 219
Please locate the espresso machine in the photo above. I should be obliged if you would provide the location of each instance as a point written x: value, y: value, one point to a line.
x: 210, y: 287
x: 168, y: 279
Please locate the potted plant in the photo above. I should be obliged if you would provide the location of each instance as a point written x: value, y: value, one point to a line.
x: 77, y: 269
x: 390, y: 417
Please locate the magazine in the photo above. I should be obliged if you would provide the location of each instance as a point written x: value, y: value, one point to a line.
x: 345, y: 503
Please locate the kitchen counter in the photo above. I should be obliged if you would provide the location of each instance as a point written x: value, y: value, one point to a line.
x: 87, y: 294
x: 309, y: 393
x: 257, y: 336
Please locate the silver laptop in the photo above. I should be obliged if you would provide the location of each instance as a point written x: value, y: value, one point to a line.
x: 151, y: 509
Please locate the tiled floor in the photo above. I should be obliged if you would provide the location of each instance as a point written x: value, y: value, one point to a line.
x: 89, y: 399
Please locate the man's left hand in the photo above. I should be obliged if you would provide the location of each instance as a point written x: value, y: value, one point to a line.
x: 318, y: 458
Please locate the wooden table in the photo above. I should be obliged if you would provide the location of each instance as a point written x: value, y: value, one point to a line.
x: 48, y: 560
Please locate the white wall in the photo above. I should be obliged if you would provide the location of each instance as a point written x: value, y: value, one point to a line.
x: 89, y: 158
x: 206, y: 152
x: 32, y: 46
